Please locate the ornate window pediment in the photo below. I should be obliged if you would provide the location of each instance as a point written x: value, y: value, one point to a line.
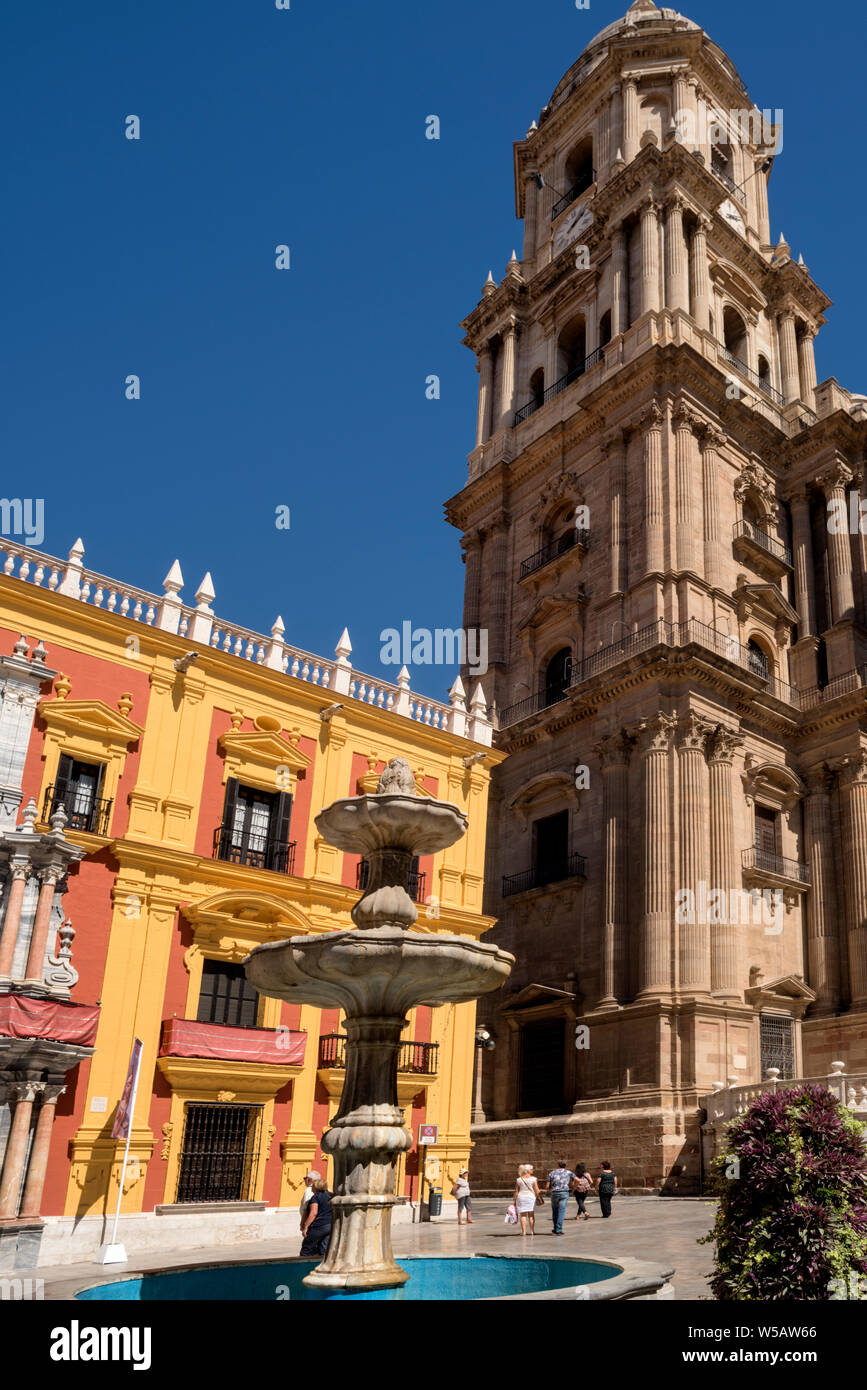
x: 91, y: 731
x: 774, y: 784
x: 547, y: 787
x: 254, y: 758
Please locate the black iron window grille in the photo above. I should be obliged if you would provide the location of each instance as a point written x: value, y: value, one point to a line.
x: 416, y: 885
x: 777, y: 1045
x: 219, y: 1152
x: 255, y: 829
x: 77, y: 790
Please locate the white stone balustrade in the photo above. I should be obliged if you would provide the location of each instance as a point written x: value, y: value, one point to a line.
x: 199, y: 625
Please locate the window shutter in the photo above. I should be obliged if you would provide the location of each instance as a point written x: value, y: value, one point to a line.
x: 280, y: 822
x: 229, y: 806
x: 64, y: 774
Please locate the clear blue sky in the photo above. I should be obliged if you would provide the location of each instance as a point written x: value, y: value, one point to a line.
x: 307, y: 387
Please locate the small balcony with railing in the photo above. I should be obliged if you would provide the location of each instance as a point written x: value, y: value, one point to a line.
x: 764, y: 552
x: 543, y: 397
x: 195, y: 1038
x: 584, y: 181
x: 570, y: 868
x: 576, y: 539
x: 760, y: 865
x: 417, y: 1066
x: 761, y: 383
x: 416, y: 884
x: 83, y: 811
x: 257, y: 852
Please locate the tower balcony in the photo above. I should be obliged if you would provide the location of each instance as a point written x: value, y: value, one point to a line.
x: 586, y: 181
x: 544, y: 397
x: 744, y: 370
x: 579, y: 537
x: 571, y: 866
x: 765, y: 552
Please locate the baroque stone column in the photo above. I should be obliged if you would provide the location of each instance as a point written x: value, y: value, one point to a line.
x: 507, y: 377
x: 834, y: 483
x: 711, y: 441
x: 630, y: 119
x: 853, y: 799
x: 654, y: 516
x: 499, y: 543
x: 823, y: 940
x: 49, y: 878
x: 38, y: 1165
x: 21, y: 871
x: 471, y: 544
x: 802, y: 547
x: 789, y: 357
x: 486, y: 377
x: 615, y: 450
x: 614, y: 753
x: 694, y: 936
x: 649, y: 256
x: 530, y: 191
x: 654, y: 971
x: 676, y: 273
x: 686, y: 531
x: 24, y: 1094
x: 619, y: 283
x: 721, y: 744
x: 699, y: 277
x: 807, y: 368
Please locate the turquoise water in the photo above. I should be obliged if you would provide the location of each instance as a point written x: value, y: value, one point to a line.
x: 481, y: 1277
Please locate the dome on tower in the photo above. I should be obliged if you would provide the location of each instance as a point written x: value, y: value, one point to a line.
x: 640, y: 14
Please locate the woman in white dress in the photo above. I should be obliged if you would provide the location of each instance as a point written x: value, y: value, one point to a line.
x: 527, y: 1194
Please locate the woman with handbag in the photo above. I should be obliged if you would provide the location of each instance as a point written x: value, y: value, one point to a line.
x: 582, y: 1185
x: 527, y: 1194
x: 606, y: 1187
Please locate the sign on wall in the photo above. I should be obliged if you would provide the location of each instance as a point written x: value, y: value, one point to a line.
x: 427, y: 1134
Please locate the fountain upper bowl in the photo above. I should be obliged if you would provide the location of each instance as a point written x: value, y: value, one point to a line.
x: 382, y: 820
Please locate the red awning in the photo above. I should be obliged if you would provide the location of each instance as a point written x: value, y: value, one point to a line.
x: 53, y: 1019
x: 185, y: 1037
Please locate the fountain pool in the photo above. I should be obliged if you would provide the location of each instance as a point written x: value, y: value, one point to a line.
x: 478, y: 1276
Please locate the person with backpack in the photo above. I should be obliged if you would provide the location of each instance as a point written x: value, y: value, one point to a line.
x: 582, y: 1185
x: 606, y: 1188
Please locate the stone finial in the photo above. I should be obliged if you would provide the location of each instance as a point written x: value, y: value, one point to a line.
x: 274, y: 658
x: 397, y: 779
x: 71, y: 584
x: 533, y: 127
x: 124, y: 704
x: 66, y: 933
x: 62, y: 686
x: 28, y: 816
x: 200, y: 627
x: 169, y: 615
x: 21, y: 648
x: 40, y: 652
x: 343, y: 667
x: 59, y: 818
x: 237, y: 717
x: 837, y: 1068
x: 618, y: 162
x: 489, y: 286
x: 480, y: 728
x: 513, y: 259
x: 401, y: 704
x: 457, y: 720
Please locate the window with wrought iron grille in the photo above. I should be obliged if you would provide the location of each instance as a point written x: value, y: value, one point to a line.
x: 226, y: 996
x: 777, y: 1045
x: 219, y: 1152
x: 76, y: 788
x: 255, y: 828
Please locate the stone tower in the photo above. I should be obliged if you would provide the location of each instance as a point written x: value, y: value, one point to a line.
x: 656, y: 536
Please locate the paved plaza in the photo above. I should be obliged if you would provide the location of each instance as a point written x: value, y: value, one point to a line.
x: 657, y: 1229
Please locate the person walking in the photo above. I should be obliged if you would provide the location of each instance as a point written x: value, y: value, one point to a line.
x: 527, y: 1194
x: 461, y: 1190
x: 317, y: 1221
x: 606, y: 1187
x: 309, y: 1179
x: 582, y: 1185
x: 559, y: 1185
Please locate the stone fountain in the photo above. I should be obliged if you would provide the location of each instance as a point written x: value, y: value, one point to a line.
x: 376, y: 974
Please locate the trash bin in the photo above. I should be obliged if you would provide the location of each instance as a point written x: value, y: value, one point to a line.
x: 435, y: 1201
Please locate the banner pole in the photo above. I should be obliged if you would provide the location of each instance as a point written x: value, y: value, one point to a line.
x: 113, y: 1253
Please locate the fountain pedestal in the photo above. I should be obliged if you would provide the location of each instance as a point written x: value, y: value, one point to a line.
x: 376, y: 974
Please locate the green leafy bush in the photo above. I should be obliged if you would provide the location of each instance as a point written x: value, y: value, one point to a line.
x: 792, y: 1218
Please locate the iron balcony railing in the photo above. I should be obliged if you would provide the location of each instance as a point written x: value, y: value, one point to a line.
x: 656, y: 634
x: 580, y: 536
x: 420, y: 1058
x: 279, y: 859
x: 726, y: 179
x: 761, y: 538
x: 840, y: 685
x: 416, y: 885
x: 545, y: 396
x: 761, y: 859
x: 760, y: 382
x: 543, y: 875
x: 586, y: 181
x: 83, y: 812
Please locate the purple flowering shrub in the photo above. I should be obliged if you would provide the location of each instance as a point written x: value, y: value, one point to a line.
x: 792, y: 1184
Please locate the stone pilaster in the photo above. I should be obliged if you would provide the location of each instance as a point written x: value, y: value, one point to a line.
x: 498, y: 580
x: 724, y: 875
x: 686, y: 531
x: 471, y: 545
x: 823, y: 939
x: 619, y: 282
x: 676, y: 271
x: 802, y: 555
x: 853, y: 799
x: 699, y: 277
x: 711, y: 441
x: 530, y: 204
x: 692, y: 802
x: 649, y: 256
x: 614, y: 754
x: 807, y: 368
x: 654, y: 515
x: 654, y: 971
x: 508, y: 375
x: 630, y: 119
x: 615, y: 451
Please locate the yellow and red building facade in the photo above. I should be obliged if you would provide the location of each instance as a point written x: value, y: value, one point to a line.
x: 160, y: 773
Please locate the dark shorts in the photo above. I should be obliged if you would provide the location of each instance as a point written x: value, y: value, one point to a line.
x: 465, y: 1204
